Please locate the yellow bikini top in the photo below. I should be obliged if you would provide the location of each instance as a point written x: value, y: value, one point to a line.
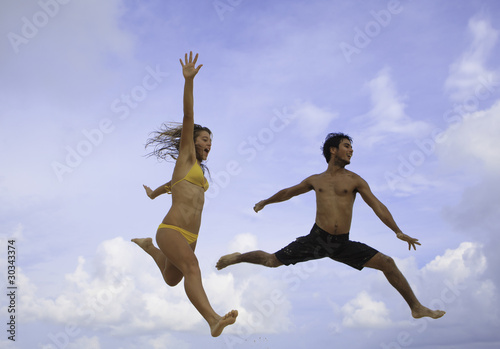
x: 195, y: 176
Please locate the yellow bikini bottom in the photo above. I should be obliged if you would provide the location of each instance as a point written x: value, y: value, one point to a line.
x: 190, y: 237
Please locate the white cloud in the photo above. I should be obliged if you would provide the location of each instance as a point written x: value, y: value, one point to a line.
x: 120, y: 291
x: 466, y: 71
x: 113, y: 292
x: 85, y: 343
x: 459, y: 264
x: 405, y: 186
x: 363, y: 311
x: 175, y: 314
x: 312, y: 120
x: 265, y: 306
x: 64, y: 341
x: 387, y: 116
x: 473, y: 140
x: 243, y: 243
x: 455, y: 281
x: 469, y: 145
x: 166, y: 341
x: 223, y: 290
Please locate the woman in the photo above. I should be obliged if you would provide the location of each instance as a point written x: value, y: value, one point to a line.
x: 176, y: 236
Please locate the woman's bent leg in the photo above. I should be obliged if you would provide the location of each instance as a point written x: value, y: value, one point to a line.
x: 179, y: 253
x: 170, y: 273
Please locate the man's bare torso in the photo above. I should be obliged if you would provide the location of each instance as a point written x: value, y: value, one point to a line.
x: 335, y: 194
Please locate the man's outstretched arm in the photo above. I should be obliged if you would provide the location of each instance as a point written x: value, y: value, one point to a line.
x: 285, y: 194
x: 383, y: 213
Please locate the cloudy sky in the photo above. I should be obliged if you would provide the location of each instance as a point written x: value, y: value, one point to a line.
x: 415, y: 83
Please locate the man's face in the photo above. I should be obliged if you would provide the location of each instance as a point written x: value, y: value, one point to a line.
x: 344, y: 153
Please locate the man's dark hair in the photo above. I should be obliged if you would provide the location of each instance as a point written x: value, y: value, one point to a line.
x: 333, y: 140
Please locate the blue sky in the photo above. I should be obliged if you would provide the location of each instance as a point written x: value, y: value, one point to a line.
x: 415, y: 83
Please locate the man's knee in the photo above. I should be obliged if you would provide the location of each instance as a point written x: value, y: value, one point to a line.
x: 388, y: 263
x: 272, y: 261
x: 382, y: 262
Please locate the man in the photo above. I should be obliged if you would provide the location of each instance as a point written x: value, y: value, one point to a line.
x: 336, y: 190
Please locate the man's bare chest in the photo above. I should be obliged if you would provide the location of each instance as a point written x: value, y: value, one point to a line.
x: 338, y: 186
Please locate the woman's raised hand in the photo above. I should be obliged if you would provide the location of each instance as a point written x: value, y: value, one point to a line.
x: 188, y: 67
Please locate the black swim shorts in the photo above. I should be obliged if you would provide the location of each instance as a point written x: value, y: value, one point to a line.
x: 320, y: 244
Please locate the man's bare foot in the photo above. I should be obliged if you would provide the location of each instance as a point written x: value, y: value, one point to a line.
x: 226, y: 260
x: 224, y: 321
x: 423, y: 312
x: 143, y: 243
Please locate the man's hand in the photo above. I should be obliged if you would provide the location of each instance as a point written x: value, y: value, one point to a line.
x: 259, y: 206
x: 411, y: 241
x: 149, y: 192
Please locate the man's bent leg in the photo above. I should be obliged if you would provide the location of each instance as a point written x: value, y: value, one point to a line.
x: 254, y: 257
x: 387, y: 265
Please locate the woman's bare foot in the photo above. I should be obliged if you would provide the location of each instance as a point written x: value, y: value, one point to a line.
x: 226, y: 260
x: 143, y: 243
x: 224, y: 321
x: 422, y: 311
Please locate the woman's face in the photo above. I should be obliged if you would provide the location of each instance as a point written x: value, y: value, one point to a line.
x: 203, y: 143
